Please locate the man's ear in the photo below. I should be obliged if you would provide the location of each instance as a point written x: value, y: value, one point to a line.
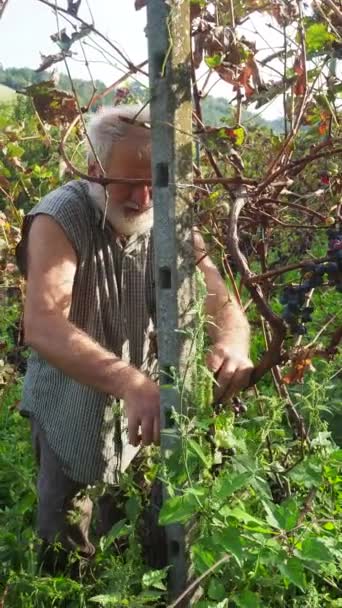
x: 94, y: 169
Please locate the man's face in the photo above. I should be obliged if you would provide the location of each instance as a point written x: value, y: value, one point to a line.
x: 130, y: 208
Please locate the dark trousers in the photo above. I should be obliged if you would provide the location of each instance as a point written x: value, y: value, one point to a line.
x: 65, y: 511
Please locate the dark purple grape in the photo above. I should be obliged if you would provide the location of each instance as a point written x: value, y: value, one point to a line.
x: 331, y: 267
x: 315, y: 281
x: 288, y: 315
x: 305, y: 287
x: 293, y: 307
x: 335, y: 245
x: 300, y: 329
x: 321, y: 269
x: 239, y: 407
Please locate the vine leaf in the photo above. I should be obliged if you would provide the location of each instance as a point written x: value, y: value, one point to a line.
x: 178, y: 509
x: 247, y: 599
x: 230, y: 541
x: 228, y: 485
x: 314, y: 549
x: 293, y: 570
x: 284, y: 516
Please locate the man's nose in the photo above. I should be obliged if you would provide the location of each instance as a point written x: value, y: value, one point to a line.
x: 142, y: 195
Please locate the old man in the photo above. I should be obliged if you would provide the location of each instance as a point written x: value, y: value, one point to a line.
x: 89, y: 319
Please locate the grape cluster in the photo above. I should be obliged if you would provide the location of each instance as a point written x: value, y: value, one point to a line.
x: 335, y: 258
x: 295, y: 313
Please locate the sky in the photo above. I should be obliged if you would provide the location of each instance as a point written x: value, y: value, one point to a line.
x: 26, y: 27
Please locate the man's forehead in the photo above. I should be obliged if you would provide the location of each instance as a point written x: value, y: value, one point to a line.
x: 132, y: 155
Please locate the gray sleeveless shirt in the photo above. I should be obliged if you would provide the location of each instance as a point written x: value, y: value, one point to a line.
x: 113, y: 301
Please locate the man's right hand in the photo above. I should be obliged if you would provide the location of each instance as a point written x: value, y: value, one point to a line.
x: 142, y: 406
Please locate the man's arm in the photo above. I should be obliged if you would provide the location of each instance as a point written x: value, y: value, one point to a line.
x: 227, y: 327
x: 51, y: 271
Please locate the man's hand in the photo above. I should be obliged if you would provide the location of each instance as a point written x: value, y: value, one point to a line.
x: 232, y: 369
x: 142, y: 406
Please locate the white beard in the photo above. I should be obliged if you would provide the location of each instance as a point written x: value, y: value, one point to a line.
x: 123, y: 224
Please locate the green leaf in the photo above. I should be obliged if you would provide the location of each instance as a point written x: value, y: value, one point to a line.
x: 196, y: 448
x: 317, y: 37
x: 116, y: 600
x: 120, y: 528
x: 309, y: 473
x: 240, y: 514
x: 214, y: 61
x: 26, y: 503
x: 261, y: 487
x: 154, y: 578
x: 178, y: 509
x: 230, y: 541
x: 284, y: 516
x: 216, y: 590
x: 314, y: 549
x: 112, y: 599
x: 293, y: 570
x: 322, y: 440
x: 204, y: 555
x: 336, y: 456
x: 228, y: 484
x: 145, y: 597
x: 14, y: 150
x: 132, y: 508
x: 247, y: 599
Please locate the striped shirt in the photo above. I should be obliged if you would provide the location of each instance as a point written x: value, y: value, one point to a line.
x: 113, y: 301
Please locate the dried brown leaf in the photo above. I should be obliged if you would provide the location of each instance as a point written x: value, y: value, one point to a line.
x: 49, y: 60
x: 301, y: 363
x: 53, y: 106
x: 4, y: 183
x: 73, y: 6
x: 139, y: 4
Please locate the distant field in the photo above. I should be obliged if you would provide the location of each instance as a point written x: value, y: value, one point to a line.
x: 6, y: 94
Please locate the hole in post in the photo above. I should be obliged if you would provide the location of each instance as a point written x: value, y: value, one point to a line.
x: 162, y: 175
x: 158, y: 61
x: 169, y: 420
x: 167, y: 373
x: 174, y: 548
x: 165, y: 277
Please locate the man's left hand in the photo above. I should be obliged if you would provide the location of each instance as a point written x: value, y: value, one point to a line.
x: 232, y: 370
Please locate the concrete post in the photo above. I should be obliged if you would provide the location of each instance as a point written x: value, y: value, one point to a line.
x: 170, y: 83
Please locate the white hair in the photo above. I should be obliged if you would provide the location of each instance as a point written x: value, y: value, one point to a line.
x: 107, y: 128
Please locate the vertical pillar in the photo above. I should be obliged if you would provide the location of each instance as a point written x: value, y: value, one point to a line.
x: 170, y: 84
